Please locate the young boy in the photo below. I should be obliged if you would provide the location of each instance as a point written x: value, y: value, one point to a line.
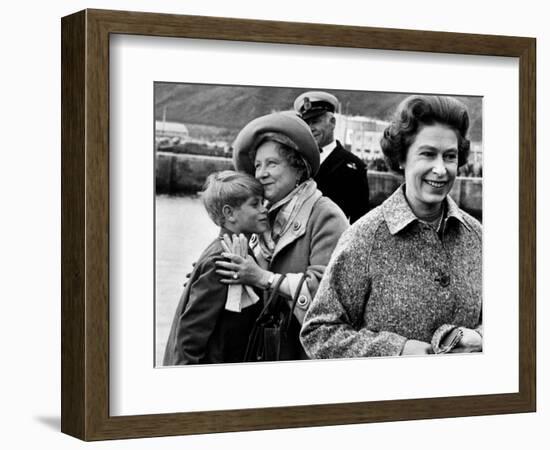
x: 204, y: 330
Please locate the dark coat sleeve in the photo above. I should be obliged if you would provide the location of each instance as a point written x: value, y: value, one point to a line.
x: 354, y: 172
x: 196, y: 323
x: 357, y: 202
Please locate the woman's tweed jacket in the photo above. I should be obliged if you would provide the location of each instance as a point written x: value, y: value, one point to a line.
x: 391, y: 278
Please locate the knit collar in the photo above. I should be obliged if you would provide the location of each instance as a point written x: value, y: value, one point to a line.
x: 398, y: 214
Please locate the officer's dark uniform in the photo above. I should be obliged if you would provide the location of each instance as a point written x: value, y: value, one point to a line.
x: 342, y: 176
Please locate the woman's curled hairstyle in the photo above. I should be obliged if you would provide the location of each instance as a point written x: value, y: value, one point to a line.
x: 420, y: 110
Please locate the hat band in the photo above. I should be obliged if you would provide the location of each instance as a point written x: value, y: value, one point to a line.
x: 327, y: 106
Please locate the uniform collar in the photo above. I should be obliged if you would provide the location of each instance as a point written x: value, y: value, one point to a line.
x: 327, y: 150
x: 398, y: 214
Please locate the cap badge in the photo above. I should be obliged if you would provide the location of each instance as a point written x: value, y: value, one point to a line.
x: 307, y: 104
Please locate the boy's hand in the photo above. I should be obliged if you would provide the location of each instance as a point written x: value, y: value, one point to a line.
x: 241, y: 267
x: 237, y: 245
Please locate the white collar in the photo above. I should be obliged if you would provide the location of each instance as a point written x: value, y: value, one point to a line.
x: 327, y: 150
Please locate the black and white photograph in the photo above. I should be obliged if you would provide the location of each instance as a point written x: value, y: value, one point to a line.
x: 296, y: 223
x: 269, y: 225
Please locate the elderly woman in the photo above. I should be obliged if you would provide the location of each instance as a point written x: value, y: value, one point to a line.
x: 406, y: 278
x: 280, y: 151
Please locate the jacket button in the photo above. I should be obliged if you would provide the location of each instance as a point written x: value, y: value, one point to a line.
x: 302, y: 302
x: 296, y: 226
x: 445, y: 280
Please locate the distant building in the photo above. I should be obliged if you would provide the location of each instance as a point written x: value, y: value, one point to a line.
x: 361, y: 135
x: 476, y: 153
x: 171, y: 130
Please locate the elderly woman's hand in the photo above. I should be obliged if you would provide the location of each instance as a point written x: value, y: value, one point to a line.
x: 241, y: 267
x: 471, y: 341
x: 414, y: 347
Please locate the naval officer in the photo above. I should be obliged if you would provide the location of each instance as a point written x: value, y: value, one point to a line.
x: 342, y: 176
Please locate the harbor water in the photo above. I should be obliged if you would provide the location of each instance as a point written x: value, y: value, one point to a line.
x: 183, y: 230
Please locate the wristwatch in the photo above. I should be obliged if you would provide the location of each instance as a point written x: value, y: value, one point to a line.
x: 271, y: 280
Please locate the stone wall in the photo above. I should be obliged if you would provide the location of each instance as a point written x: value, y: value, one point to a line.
x: 182, y: 173
x: 466, y: 192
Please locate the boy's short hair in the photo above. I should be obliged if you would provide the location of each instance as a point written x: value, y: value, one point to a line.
x: 228, y: 188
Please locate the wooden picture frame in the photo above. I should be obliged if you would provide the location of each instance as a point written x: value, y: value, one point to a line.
x: 85, y: 224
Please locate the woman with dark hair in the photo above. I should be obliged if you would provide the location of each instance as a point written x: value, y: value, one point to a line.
x: 406, y: 278
x: 280, y: 151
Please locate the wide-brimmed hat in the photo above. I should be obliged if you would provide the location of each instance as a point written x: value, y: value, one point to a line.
x: 285, y: 123
x: 315, y: 103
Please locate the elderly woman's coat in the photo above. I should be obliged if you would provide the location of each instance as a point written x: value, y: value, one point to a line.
x: 306, y: 248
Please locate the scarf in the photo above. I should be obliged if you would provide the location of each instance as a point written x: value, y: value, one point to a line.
x: 240, y: 296
x: 282, y: 214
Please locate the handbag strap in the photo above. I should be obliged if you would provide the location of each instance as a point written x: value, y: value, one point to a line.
x: 272, y: 296
x: 254, y: 337
x: 295, y: 300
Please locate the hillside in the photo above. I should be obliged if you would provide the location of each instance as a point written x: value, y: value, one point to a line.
x: 231, y: 107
